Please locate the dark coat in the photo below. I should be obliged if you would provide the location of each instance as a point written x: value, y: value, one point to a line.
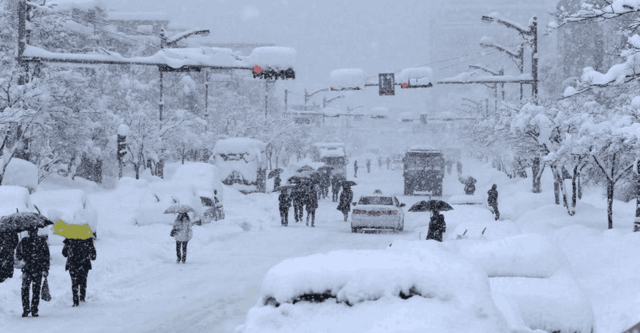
x: 284, y: 200
x: 437, y: 227
x: 276, y: 181
x: 298, y: 196
x: 79, y: 253
x: 311, y: 197
x: 346, y: 197
x: 34, y: 251
x: 493, y: 197
x: 8, y: 243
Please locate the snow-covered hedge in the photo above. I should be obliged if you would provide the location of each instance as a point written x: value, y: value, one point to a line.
x: 14, y: 197
x: 21, y: 173
x: 71, y: 206
x: 204, y: 176
x: 394, y: 290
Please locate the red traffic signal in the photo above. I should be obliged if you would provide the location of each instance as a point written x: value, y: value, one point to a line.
x: 404, y: 84
x: 257, y: 69
x: 273, y: 74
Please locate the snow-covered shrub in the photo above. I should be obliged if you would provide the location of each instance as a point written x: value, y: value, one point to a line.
x: 21, y: 173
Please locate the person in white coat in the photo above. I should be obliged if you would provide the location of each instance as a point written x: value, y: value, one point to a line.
x: 182, y: 233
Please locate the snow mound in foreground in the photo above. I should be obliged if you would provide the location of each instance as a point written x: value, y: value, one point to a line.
x: 396, y: 290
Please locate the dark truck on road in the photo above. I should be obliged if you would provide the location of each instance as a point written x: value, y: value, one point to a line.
x: 423, y: 171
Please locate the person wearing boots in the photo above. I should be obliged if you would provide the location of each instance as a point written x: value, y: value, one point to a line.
x: 34, y: 251
x: 182, y: 233
x: 79, y: 254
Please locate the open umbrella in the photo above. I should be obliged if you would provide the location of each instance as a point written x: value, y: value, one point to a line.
x: 306, y: 168
x: 274, y: 173
x: 345, y: 183
x: 467, y: 180
x: 425, y: 206
x: 179, y: 208
x: 325, y: 168
x: 72, y: 231
x: 22, y: 221
x: 284, y: 187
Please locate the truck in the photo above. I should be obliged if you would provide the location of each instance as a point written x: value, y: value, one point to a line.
x: 242, y: 164
x: 331, y: 154
x: 424, y: 169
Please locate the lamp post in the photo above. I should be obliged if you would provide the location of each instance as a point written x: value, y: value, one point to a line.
x: 532, y: 32
x: 307, y: 96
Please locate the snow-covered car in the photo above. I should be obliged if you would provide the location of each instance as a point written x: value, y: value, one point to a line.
x: 377, y: 212
x: 69, y: 205
x: 531, y: 282
x: 160, y: 196
x: 204, y: 177
x: 390, y: 290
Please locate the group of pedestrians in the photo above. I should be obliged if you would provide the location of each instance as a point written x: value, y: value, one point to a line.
x: 33, y: 252
x: 301, y: 196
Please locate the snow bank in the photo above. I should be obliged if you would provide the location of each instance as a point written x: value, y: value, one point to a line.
x: 532, y: 275
x: 12, y: 198
x: 203, y: 176
x: 21, y: 173
x: 347, y: 78
x: 274, y: 57
x: 379, y: 112
x: 71, y: 206
x: 464, y: 199
x: 394, y: 290
x: 159, y: 196
x: 239, y: 157
x: 484, y: 230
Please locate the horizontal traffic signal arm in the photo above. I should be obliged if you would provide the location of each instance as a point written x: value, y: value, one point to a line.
x: 273, y: 74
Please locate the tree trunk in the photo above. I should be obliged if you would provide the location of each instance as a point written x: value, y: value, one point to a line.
x: 574, y: 187
x: 636, y: 222
x: 610, y: 184
x: 556, y: 188
x: 537, y: 174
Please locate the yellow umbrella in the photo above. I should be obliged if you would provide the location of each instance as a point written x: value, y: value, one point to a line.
x: 74, y: 231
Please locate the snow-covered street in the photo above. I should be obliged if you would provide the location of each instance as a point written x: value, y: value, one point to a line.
x: 136, y: 286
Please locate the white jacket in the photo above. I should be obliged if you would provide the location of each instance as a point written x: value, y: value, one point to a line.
x: 183, y: 228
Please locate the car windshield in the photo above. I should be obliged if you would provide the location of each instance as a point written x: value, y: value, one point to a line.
x: 376, y: 200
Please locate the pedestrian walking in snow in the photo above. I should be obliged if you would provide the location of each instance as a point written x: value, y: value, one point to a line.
x: 345, y: 201
x: 8, y: 243
x: 284, y: 201
x: 492, y: 200
x: 325, y: 182
x: 355, y: 169
x: 79, y: 254
x: 312, y: 203
x: 298, y: 194
x: 379, y: 162
x: 276, y: 181
x: 388, y: 163
x: 182, y: 233
x: 368, y: 166
x: 34, y: 251
x: 335, y: 187
x: 459, y: 167
x: 437, y: 226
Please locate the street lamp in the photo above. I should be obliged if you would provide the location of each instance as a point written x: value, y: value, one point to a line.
x: 326, y: 101
x: 307, y: 96
x: 532, y: 32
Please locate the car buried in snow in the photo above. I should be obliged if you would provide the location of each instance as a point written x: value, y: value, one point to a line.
x: 376, y: 212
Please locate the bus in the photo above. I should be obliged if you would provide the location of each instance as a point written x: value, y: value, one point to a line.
x: 423, y: 170
x: 242, y: 164
x: 331, y: 154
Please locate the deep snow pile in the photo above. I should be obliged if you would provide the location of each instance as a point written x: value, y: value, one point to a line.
x: 394, y: 290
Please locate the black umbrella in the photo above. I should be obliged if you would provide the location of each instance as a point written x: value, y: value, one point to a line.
x: 299, y: 179
x: 306, y: 168
x: 425, y: 206
x: 467, y: 180
x: 284, y: 187
x: 274, y: 172
x: 22, y: 221
x: 179, y: 208
x: 346, y: 183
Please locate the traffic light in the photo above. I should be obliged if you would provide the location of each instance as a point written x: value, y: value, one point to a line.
x: 273, y: 74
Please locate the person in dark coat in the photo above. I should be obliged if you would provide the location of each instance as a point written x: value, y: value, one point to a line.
x: 183, y: 234
x: 312, y: 203
x: 34, y: 251
x: 335, y: 187
x: 284, y: 201
x: 8, y: 243
x: 276, y: 181
x: 355, y: 169
x: 437, y: 226
x: 79, y: 254
x: 297, y: 195
x: 469, y: 188
x: 325, y: 182
x: 388, y: 163
x: 492, y: 200
x: 368, y: 166
x: 345, y: 201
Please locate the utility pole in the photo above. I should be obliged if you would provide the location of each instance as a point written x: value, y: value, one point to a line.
x: 22, y: 41
x: 286, y: 94
x: 206, y: 99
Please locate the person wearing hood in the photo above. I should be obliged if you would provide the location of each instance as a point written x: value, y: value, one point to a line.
x: 492, y: 200
x: 345, y: 201
x: 34, y: 251
x: 8, y: 243
x: 182, y: 233
x: 79, y: 254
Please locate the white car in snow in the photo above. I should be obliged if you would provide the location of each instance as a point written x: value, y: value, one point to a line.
x: 377, y: 212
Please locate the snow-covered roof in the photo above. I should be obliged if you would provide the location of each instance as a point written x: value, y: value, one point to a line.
x: 347, y: 78
x: 238, y: 145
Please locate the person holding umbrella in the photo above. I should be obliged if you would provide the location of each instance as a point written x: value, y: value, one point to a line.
x: 8, y: 243
x: 437, y: 226
x: 34, y: 251
x: 284, y: 201
x: 79, y: 254
x: 312, y: 203
x: 182, y: 233
x: 345, y: 199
